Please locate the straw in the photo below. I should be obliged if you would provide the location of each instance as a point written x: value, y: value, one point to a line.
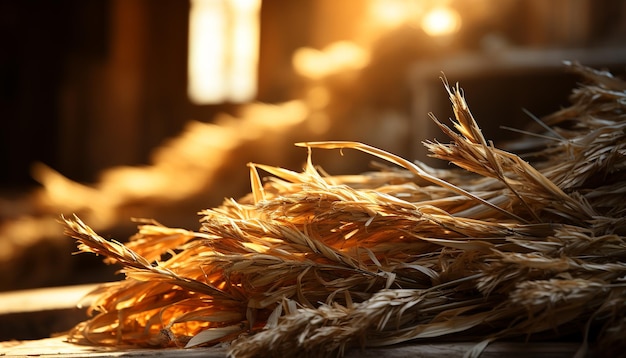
x: 314, y: 264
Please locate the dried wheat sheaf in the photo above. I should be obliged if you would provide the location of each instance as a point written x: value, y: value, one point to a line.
x: 316, y: 264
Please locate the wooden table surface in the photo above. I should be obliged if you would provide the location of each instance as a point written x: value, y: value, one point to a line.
x: 53, y: 309
x: 56, y: 347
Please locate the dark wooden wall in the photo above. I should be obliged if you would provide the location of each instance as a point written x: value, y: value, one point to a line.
x: 89, y: 84
x: 85, y: 85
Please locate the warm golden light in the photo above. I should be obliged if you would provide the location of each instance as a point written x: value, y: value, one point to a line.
x: 206, y: 59
x: 223, y: 50
x: 245, y: 49
x: 390, y: 13
x: 336, y: 57
x: 441, y: 21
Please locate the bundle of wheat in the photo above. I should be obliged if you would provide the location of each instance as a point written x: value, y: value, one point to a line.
x: 316, y: 264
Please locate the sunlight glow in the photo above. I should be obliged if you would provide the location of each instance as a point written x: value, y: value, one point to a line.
x: 441, y: 21
x: 336, y: 57
x: 390, y: 13
x: 223, y: 50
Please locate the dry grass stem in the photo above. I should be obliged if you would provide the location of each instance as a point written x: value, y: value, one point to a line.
x: 315, y: 264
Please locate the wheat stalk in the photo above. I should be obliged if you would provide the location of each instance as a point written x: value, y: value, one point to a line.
x: 315, y: 264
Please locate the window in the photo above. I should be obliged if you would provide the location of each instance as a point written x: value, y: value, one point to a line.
x: 223, y: 51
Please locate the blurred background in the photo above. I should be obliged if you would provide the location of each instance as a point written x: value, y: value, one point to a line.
x: 114, y: 109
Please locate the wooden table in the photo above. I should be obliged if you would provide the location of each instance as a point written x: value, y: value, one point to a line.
x: 48, y: 310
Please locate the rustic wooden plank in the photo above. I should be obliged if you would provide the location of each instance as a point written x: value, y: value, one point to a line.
x: 43, y: 299
x: 57, y: 346
x: 38, y: 313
